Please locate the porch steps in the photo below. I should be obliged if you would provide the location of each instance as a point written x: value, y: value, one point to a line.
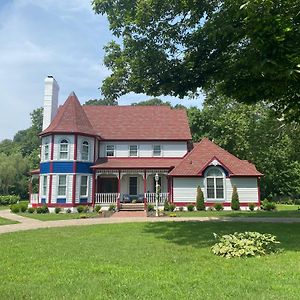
x: 132, y: 207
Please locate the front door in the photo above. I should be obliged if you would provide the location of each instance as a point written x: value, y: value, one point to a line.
x: 132, y: 186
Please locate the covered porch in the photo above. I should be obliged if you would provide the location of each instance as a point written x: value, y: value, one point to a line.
x: 130, y: 186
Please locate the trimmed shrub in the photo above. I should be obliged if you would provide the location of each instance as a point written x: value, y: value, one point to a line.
x: 86, y: 209
x: 112, y: 207
x: 97, y: 208
x: 166, y: 205
x: 218, y: 206
x: 31, y: 210
x: 57, y: 210
x: 23, y: 207
x: 80, y: 208
x: 68, y: 211
x: 181, y: 208
x: 15, y: 208
x: 172, y: 207
x: 235, y: 202
x: 251, y: 206
x: 191, y: 207
x: 246, y: 244
x: 39, y: 210
x: 45, y: 209
x: 9, y: 199
x: 200, y: 199
x: 150, y: 207
x: 268, y: 205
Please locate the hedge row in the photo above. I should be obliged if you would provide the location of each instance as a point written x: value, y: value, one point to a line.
x: 9, y: 199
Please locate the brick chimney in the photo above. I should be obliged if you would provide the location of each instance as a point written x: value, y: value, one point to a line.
x: 50, y: 100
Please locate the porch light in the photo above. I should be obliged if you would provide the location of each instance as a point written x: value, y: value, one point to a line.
x: 156, y: 177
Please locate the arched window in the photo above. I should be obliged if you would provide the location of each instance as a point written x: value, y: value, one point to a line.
x: 64, y: 149
x: 214, y: 178
x: 85, y: 151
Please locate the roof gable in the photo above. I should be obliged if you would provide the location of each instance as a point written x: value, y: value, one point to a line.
x: 207, y: 153
x: 71, y: 118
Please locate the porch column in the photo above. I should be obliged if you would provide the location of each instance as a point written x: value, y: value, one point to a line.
x: 30, y: 188
x: 119, y: 190
x: 93, y: 188
x: 145, y: 188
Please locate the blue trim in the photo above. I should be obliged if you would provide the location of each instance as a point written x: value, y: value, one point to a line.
x: 61, y: 200
x: 84, y: 167
x: 65, y: 167
x: 43, y: 200
x: 45, y: 168
x: 83, y: 200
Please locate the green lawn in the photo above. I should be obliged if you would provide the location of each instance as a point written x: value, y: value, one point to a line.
x: 54, y: 217
x: 145, y: 261
x: 4, y: 221
x: 283, y: 211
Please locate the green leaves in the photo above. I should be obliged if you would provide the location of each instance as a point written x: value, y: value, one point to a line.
x: 250, y: 48
x: 247, y: 244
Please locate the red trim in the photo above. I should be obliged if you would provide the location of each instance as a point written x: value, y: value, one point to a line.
x: 119, y: 190
x: 74, y: 170
x: 68, y: 133
x: 93, y: 189
x: 142, y: 158
x: 209, y: 204
x: 258, y: 190
x: 50, y: 189
x: 172, y: 190
x: 95, y: 149
x: 132, y: 168
x: 145, y: 189
x: 62, y: 204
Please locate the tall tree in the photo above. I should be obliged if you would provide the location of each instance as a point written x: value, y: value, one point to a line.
x: 251, y: 48
x: 106, y: 102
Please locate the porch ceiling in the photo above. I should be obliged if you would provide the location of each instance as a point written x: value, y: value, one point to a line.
x: 136, y: 163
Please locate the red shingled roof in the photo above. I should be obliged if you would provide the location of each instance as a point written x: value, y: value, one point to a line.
x: 136, y: 163
x: 139, y: 122
x: 71, y: 118
x: 195, y: 163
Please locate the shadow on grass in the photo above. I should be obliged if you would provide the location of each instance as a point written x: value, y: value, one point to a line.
x: 200, y: 234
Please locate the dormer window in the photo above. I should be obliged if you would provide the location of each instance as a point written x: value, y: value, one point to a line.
x: 133, y: 150
x: 85, y: 151
x: 110, y: 150
x: 64, y: 149
x: 157, y: 150
x: 46, y: 151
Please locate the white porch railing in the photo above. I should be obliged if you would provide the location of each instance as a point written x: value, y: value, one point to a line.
x: 106, y: 198
x: 162, y: 197
x: 34, y: 198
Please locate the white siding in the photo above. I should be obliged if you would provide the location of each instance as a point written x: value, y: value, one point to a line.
x: 185, y: 188
x: 246, y: 187
x: 145, y: 149
x: 90, y: 140
x: 57, y: 139
x: 45, y: 140
x: 78, y: 182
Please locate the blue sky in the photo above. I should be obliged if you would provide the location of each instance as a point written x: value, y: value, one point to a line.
x: 63, y: 38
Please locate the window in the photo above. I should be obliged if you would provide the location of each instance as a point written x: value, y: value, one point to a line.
x: 44, y: 188
x: 85, y: 151
x: 133, y: 150
x: 62, y: 185
x: 84, y: 186
x: 214, y: 184
x: 64, y: 149
x: 110, y: 150
x: 157, y: 150
x: 46, y: 151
